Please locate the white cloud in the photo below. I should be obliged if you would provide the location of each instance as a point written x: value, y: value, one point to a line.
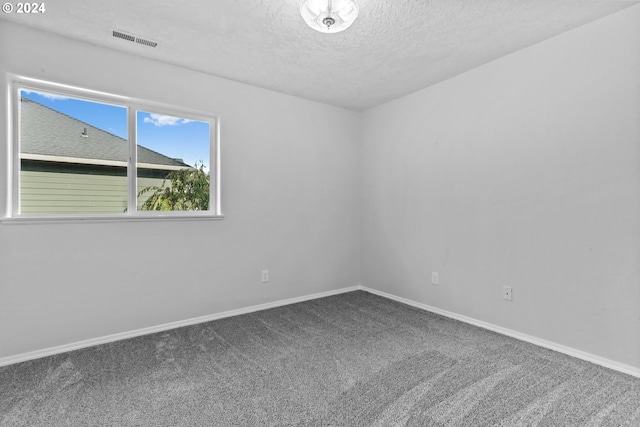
x: 54, y: 97
x: 162, y: 120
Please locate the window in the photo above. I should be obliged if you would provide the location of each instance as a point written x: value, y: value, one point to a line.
x: 84, y: 154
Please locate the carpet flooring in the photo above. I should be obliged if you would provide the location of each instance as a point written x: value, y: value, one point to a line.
x: 354, y: 359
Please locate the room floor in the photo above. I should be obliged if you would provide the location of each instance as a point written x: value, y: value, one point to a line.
x: 354, y: 359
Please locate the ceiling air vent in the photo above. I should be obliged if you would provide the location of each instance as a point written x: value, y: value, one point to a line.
x: 135, y: 39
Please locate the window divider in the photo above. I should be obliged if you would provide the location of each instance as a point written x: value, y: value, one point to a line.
x: 133, y: 159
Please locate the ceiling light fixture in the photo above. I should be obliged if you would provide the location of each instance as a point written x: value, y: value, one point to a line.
x: 329, y: 16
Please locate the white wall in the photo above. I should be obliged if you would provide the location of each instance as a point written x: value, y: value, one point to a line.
x: 523, y: 172
x: 290, y: 194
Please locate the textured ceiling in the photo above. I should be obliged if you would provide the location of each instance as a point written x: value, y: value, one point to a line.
x: 395, y: 47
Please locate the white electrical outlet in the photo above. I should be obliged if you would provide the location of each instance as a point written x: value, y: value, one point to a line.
x: 434, y: 278
x: 507, y: 293
x: 265, y: 276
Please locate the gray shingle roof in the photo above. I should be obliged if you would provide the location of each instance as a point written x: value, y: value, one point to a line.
x: 44, y: 131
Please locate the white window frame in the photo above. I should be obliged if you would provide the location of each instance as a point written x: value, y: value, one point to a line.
x: 133, y: 105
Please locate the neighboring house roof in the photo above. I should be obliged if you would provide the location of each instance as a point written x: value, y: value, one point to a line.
x: 47, y: 134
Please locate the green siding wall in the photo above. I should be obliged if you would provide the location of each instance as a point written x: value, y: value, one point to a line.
x: 57, y: 193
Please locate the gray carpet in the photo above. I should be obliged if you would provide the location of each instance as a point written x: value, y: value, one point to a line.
x: 354, y: 359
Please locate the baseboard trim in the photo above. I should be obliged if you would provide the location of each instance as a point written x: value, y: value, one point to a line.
x: 607, y: 363
x: 10, y: 360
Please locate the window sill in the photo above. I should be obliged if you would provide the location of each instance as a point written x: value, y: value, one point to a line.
x: 84, y: 219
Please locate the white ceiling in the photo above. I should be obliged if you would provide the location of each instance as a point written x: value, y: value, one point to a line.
x: 395, y: 47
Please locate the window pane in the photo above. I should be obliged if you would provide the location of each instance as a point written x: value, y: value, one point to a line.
x: 173, y: 163
x: 73, y: 155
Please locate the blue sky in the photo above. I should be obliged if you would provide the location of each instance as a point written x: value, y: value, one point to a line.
x: 174, y: 137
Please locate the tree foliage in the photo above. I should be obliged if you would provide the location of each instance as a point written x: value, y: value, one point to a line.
x: 188, y: 190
